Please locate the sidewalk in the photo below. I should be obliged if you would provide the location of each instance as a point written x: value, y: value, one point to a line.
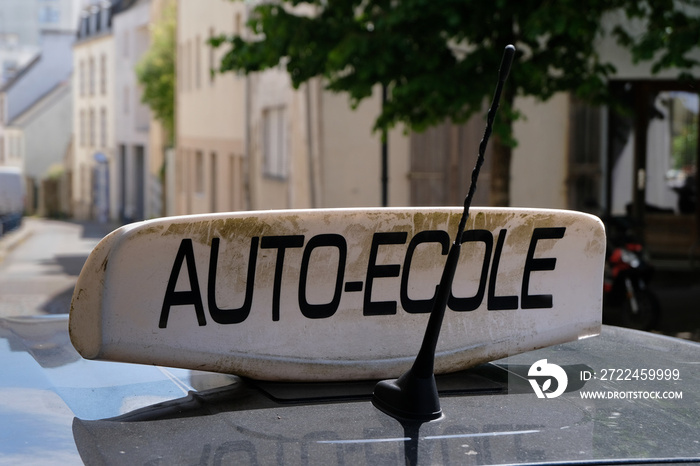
x: 677, y: 285
x: 14, y: 238
x: 91, y: 229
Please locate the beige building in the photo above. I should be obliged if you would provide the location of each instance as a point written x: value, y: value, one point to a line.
x: 255, y: 143
x: 210, y: 162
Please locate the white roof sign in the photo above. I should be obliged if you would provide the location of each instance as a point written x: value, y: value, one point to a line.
x: 336, y: 294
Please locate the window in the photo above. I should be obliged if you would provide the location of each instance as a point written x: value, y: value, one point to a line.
x: 585, y: 172
x: 81, y: 78
x: 681, y: 151
x: 91, y: 77
x: 142, y: 115
x: 181, y: 165
x: 87, y: 183
x: 103, y: 127
x: 653, y: 162
x: 197, y: 62
x: 275, y: 142
x: 211, y: 58
x: 103, y: 74
x: 92, y: 127
x: 82, y: 181
x: 141, y: 41
x: 188, y: 66
x: 179, y: 77
x: 212, y: 182
x: 199, y: 172
x: 81, y: 128
x: 237, y: 181
x: 49, y: 14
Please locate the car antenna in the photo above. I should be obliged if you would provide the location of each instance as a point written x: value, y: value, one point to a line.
x: 414, y: 395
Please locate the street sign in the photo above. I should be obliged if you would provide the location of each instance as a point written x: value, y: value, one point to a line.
x: 337, y: 294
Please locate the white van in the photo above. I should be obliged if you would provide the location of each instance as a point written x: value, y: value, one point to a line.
x: 11, y: 198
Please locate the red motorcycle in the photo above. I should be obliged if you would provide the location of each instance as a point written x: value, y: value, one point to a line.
x: 626, y: 291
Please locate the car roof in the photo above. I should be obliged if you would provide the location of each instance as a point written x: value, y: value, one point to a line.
x: 64, y: 409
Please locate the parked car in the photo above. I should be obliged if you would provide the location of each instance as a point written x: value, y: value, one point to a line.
x: 11, y: 198
x: 349, y: 336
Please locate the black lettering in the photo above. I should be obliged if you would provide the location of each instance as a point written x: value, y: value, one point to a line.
x: 281, y: 243
x: 499, y: 303
x: 352, y: 287
x: 417, y: 306
x: 375, y: 308
x: 473, y: 302
x: 538, y: 301
x: 183, y: 298
x: 321, y: 311
x: 236, y: 315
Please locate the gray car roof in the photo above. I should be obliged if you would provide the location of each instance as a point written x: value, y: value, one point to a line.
x: 63, y: 407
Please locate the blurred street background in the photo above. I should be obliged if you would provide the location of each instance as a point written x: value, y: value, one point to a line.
x: 116, y: 111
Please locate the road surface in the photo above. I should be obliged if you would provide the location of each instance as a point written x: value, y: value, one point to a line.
x: 40, y: 263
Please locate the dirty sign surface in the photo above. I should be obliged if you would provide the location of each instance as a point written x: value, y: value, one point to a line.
x: 336, y: 294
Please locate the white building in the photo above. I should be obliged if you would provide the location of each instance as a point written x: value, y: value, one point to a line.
x: 58, y: 15
x: 137, y: 192
x: 44, y: 133
x: 37, y: 80
x: 93, y: 160
x: 19, y: 36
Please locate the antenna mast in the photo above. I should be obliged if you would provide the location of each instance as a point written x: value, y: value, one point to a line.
x: 414, y: 395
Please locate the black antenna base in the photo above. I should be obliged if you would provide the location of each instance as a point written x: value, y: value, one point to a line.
x: 408, y: 398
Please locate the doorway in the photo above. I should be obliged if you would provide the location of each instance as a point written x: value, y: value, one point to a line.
x: 653, y: 156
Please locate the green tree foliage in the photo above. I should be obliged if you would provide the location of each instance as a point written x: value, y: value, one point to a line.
x: 667, y: 32
x: 684, y: 146
x: 438, y: 58
x: 156, y: 70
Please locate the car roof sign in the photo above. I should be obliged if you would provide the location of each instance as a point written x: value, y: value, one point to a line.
x: 337, y: 294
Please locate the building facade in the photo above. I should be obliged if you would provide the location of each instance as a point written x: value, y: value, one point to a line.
x: 93, y: 174
x: 253, y: 142
x: 42, y: 134
x: 136, y: 196
x: 19, y: 36
x: 211, y: 166
x: 45, y: 75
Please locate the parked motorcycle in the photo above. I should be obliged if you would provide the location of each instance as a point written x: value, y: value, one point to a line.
x: 626, y: 292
